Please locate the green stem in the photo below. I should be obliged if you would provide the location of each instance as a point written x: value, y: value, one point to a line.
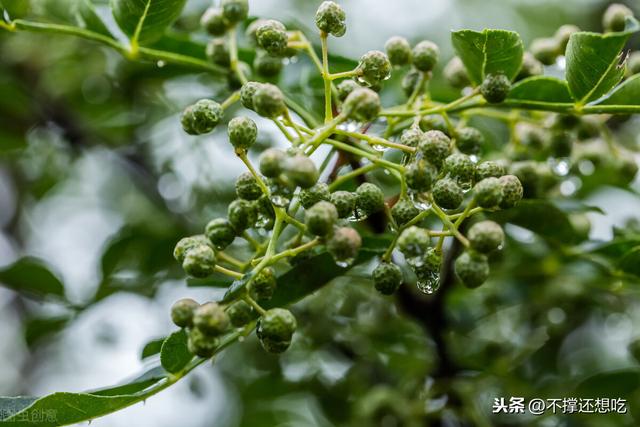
x: 343, y: 75
x: 447, y: 222
x: 350, y: 175
x: 229, y: 259
x: 372, y: 157
x: 326, y: 77
x: 228, y: 272
x: 254, y: 304
x: 373, y: 140
x: 232, y: 99
x: 233, y: 55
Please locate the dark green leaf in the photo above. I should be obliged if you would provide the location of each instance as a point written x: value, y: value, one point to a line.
x: 542, y: 217
x: 174, y: 354
x: 541, y: 89
x: 88, y: 18
x: 182, y: 44
x: 594, y: 63
x: 38, y: 328
x: 32, y: 277
x: 488, y: 52
x: 630, y: 262
x: 151, y: 348
x: 145, y: 21
x: 216, y: 280
x: 628, y: 93
x: 135, y: 385
x: 618, y: 384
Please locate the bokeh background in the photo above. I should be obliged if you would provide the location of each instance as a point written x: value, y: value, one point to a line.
x: 98, y: 181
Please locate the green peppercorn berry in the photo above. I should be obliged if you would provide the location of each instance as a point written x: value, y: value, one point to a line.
x: 345, y: 203
x: 312, y: 195
x: 447, y: 194
x: 414, y: 241
x: 530, y: 67
x: 404, y: 211
x: 488, y: 192
x: 264, y: 284
x: 387, y: 278
x: 275, y: 330
x: 272, y: 37
x: 320, y: 218
x: 398, y: 50
x: 456, y: 74
x: 435, y: 147
x: 469, y: 140
x: 428, y: 265
x: 266, y: 65
x: 242, y: 215
x: 220, y: 233
x: 182, y: 312
x: 527, y: 173
x: 488, y: 169
x: 271, y: 162
x: 240, y: 313
x: 626, y: 168
x: 247, y: 187
x: 412, y: 136
x: 185, y: 244
x: 425, y: 55
x: 461, y: 167
x: 495, y: 88
x: 330, y: 19
x: 199, y: 261
x: 614, y: 18
x: 235, y: 10
x: 410, y: 81
x: 344, y: 244
x: 243, y: 132
x: 214, y: 22
x: 420, y: 175
x: 345, y: 87
x: 369, y: 199
x: 211, y: 319
x: 434, y: 122
x: 268, y: 101
x: 560, y: 143
x: 362, y: 105
x: 246, y: 94
x: 200, y: 344
x: 486, y: 236
x: 563, y: 34
x: 201, y: 117
x: 265, y: 211
x: 511, y: 191
x: 633, y: 63
x: 545, y: 50
x: 374, y: 67
x: 301, y: 170
x: 472, y: 268
x: 218, y: 52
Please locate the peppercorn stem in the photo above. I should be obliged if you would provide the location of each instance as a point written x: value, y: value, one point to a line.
x: 243, y: 156
x: 229, y: 259
x: 284, y: 130
x: 233, y: 55
x: 291, y: 252
x: 358, y: 151
x: 374, y: 140
x: 465, y: 213
x: 228, y: 272
x: 232, y: 99
x: 350, y: 175
x: 326, y: 77
x: 246, y: 236
x: 343, y: 75
x: 254, y: 304
x: 447, y: 222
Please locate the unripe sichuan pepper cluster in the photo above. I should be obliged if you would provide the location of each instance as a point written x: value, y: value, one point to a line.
x: 442, y: 173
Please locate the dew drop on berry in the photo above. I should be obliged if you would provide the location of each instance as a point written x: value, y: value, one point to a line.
x: 262, y: 221
x: 279, y: 201
x: 345, y: 262
x: 161, y: 64
x: 362, y: 82
x: 560, y: 165
x: 429, y: 284
x: 474, y: 158
x: 418, y: 201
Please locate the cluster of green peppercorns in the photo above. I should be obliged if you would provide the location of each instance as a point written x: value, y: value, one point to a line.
x: 443, y: 170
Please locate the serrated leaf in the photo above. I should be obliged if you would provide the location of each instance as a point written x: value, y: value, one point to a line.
x: 88, y: 18
x: 489, y: 52
x: 595, y: 63
x: 541, y: 89
x: 628, y: 93
x: 32, y: 277
x: 174, y: 354
x: 144, y: 21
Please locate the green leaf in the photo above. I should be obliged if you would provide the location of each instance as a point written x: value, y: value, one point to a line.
x: 174, y: 354
x: 32, y: 277
x: 39, y: 327
x: 88, y: 18
x: 542, y: 217
x: 628, y: 93
x: 145, y: 21
x: 630, y: 262
x: 541, y: 89
x: 489, y: 52
x: 309, y: 276
x: 216, y: 280
x: 618, y: 383
x: 594, y: 62
x: 152, y: 348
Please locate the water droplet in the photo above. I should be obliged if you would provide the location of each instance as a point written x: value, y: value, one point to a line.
x: 474, y: 158
x: 362, y: 82
x: 279, y: 201
x: 381, y: 148
x: 241, y: 338
x: 415, y: 262
x: 559, y: 166
x: 161, y: 64
x: 418, y: 201
x: 586, y: 167
x: 263, y: 221
x: 345, y: 262
x: 429, y: 284
x: 561, y: 62
x: 465, y: 186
